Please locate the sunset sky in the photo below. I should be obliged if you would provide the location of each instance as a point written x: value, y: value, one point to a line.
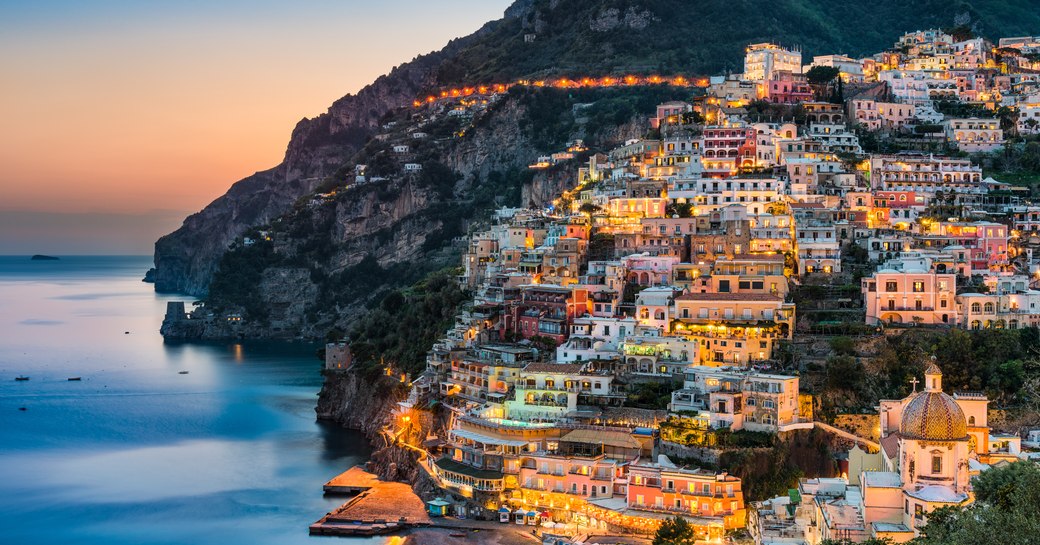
x: 120, y: 117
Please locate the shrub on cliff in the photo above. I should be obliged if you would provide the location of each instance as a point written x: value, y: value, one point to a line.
x: 239, y: 274
x: 407, y: 322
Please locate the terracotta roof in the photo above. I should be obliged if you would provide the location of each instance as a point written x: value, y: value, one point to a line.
x: 566, y: 368
x: 891, y: 445
x: 729, y: 297
x: 601, y: 437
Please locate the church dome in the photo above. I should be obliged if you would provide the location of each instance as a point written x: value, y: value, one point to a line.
x: 931, y: 414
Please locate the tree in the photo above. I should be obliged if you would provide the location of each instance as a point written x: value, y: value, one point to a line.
x: 589, y: 209
x: 675, y: 531
x: 1004, y: 511
x: 819, y: 75
x: 847, y: 541
x: 1014, y: 484
x: 960, y: 32
x: 845, y: 373
x: 684, y: 210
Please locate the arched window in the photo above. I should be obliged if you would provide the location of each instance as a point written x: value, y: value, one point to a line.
x: 971, y: 420
x: 988, y: 307
x: 975, y: 307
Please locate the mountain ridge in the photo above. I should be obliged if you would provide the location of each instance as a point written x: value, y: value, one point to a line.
x: 606, y: 36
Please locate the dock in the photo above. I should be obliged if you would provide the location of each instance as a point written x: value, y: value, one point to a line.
x: 376, y: 507
x: 350, y: 483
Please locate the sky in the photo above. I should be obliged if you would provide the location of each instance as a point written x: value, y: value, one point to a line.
x: 118, y: 118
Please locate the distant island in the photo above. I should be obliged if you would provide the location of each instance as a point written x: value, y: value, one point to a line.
x: 41, y: 257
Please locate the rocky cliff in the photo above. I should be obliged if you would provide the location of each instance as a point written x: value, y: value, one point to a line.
x: 368, y: 405
x: 319, y: 264
x: 186, y: 259
x: 546, y: 37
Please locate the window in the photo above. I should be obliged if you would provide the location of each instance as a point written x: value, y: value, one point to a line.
x: 918, y: 287
x: 936, y: 464
x: 891, y: 286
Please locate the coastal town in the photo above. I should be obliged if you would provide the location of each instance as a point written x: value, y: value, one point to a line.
x: 703, y: 266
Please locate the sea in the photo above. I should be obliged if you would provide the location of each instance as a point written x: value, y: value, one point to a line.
x: 138, y: 451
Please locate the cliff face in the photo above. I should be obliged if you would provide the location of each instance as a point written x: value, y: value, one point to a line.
x: 347, y: 398
x: 186, y: 259
x: 352, y: 402
x: 572, y: 37
x: 333, y: 254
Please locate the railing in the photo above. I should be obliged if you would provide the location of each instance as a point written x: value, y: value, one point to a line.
x: 544, y: 403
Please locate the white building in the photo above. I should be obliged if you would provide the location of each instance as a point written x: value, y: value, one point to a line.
x: 764, y: 59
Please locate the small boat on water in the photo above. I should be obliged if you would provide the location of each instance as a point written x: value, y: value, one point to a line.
x: 75, y: 379
x: 21, y: 378
x: 183, y: 373
x: 23, y: 408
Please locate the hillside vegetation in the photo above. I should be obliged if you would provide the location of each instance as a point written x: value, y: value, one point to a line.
x: 579, y: 37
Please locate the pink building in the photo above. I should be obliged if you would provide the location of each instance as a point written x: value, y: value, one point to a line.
x: 787, y: 88
x: 715, y: 498
x: 987, y: 241
x: 910, y: 295
x: 725, y: 148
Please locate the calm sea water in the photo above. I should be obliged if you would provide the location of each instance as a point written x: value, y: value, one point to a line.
x: 137, y: 453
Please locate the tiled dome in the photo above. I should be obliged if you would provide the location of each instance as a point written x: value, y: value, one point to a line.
x: 935, y: 416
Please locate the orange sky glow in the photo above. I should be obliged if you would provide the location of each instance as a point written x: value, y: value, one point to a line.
x: 140, y: 110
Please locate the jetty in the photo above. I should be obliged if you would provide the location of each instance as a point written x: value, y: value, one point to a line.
x: 376, y: 507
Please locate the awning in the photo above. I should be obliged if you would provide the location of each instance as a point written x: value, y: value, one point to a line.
x: 447, y: 464
x: 487, y: 439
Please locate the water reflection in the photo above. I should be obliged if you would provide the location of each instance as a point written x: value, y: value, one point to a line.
x: 136, y: 452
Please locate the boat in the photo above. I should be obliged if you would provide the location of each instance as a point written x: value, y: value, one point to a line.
x: 183, y: 373
x: 23, y: 408
x: 21, y: 378
x: 75, y: 379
